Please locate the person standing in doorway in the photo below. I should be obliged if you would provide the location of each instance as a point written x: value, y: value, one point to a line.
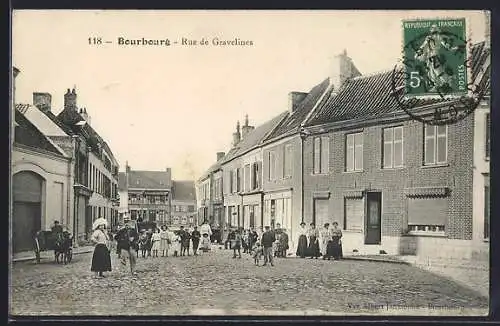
x: 268, y: 238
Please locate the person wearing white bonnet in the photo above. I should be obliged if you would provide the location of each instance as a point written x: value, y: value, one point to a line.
x: 101, y: 259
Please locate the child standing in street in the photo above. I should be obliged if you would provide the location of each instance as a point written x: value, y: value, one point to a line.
x: 176, y: 244
x: 155, y: 242
x: 205, y: 243
x: 237, y: 244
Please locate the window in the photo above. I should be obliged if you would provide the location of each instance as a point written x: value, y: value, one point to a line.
x: 427, y: 215
x: 238, y: 180
x: 287, y: 161
x: 272, y: 166
x: 231, y: 182
x: 321, y: 155
x: 256, y: 168
x: 435, y: 145
x: 486, y: 207
x: 354, y: 152
x: 247, y: 177
x: 393, y: 147
x: 487, y: 141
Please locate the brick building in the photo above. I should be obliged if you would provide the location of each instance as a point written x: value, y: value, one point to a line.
x: 392, y: 183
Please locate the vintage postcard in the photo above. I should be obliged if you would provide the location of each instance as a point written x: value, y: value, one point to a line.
x: 201, y: 162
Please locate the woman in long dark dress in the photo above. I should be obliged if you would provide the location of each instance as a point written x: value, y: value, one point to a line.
x: 302, y: 242
x: 101, y: 259
x: 335, y: 246
x: 313, y: 249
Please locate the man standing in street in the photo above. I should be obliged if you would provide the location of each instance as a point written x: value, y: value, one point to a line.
x: 127, y: 240
x: 267, y: 241
x: 195, y: 238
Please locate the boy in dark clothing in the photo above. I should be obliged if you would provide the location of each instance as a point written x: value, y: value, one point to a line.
x: 268, y: 238
x: 127, y: 240
x: 195, y: 237
x: 184, y: 241
x: 236, y: 244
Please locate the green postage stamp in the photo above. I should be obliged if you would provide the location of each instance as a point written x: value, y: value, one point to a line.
x: 435, y: 58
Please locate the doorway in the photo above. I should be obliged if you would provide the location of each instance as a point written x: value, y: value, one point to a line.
x: 27, y: 209
x: 373, y: 217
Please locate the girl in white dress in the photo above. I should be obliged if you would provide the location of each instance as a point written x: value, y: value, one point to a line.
x: 155, y: 242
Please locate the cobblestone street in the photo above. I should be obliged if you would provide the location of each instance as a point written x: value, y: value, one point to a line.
x: 185, y: 285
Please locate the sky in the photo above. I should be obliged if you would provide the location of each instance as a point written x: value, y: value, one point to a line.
x: 176, y: 106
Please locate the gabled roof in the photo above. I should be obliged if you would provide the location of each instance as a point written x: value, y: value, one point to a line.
x: 213, y: 168
x: 253, y: 138
x: 70, y: 116
x: 291, y: 124
x: 183, y: 190
x: 27, y: 133
x: 46, y: 121
x: 372, y: 95
x: 145, y: 180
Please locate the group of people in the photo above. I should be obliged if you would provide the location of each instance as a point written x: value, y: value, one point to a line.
x: 316, y: 243
x: 176, y: 243
x: 150, y: 243
x: 268, y: 244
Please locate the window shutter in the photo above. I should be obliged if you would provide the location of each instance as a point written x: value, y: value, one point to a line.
x: 325, y: 155
x: 354, y: 213
x: 427, y: 211
x: 317, y: 155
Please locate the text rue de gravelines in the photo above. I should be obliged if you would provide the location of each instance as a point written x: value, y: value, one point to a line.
x: 165, y: 42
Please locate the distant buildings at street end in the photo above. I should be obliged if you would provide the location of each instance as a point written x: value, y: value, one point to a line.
x: 153, y: 196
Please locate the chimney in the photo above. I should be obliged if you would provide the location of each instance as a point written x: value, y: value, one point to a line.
x: 342, y: 69
x: 237, y: 135
x: 246, y: 128
x: 70, y: 99
x: 294, y: 99
x: 43, y: 101
x: 220, y: 156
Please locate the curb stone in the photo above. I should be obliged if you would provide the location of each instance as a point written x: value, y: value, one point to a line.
x: 75, y: 252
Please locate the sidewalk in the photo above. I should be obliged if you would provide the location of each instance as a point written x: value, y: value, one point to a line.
x: 473, y: 274
x: 30, y: 255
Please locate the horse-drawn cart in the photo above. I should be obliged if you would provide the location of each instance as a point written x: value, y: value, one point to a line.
x: 61, y: 243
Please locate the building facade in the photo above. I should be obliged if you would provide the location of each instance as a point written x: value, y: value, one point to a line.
x: 183, y: 204
x: 41, y: 184
x: 148, y: 194
x: 394, y: 184
x: 242, y: 175
x: 210, y: 204
x: 96, y: 169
